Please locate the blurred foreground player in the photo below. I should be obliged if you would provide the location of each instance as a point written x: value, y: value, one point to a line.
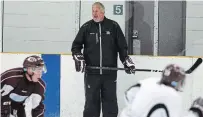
x: 155, y: 97
x: 22, y: 89
x: 196, y: 110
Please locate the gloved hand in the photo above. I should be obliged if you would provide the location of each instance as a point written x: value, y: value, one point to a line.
x: 5, y: 108
x: 197, y: 106
x: 128, y: 63
x: 79, y: 62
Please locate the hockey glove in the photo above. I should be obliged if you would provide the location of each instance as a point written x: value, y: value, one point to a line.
x: 5, y: 108
x: 79, y: 62
x: 197, y: 106
x: 128, y: 63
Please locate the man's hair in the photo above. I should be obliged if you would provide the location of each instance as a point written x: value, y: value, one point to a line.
x: 102, y: 8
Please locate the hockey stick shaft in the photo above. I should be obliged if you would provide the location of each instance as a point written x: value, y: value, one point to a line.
x: 190, y: 70
x: 113, y: 68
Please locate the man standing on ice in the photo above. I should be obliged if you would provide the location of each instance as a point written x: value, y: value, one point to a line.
x: 101, y: 40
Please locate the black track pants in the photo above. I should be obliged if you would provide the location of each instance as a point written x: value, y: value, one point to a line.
x: 100, y: 91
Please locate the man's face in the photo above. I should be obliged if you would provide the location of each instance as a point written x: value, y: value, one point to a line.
x: 36, y: 73
x: 97, y: 14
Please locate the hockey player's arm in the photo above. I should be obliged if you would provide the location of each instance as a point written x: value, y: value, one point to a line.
x: 130, y: 93
x: 31, y: 103
x: 196, y: 109
x: 34, y: 106
x: 6, y: 90
x: 9, y: 80
x: 129, y: 96
x: 78, y: 42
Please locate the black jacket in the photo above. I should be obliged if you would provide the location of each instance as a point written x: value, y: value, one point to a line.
x: 103, y: 54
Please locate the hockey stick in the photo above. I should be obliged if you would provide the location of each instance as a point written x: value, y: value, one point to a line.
x: 190, y: 70
x: 113, y: 68
x: 194, y: 66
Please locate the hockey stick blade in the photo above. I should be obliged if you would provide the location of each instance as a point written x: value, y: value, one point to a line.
x: 114, y: 68
x: 194, y: 66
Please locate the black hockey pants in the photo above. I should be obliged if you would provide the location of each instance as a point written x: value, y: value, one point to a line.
x: 100, y: 90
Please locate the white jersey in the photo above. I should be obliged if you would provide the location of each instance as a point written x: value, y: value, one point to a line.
x: 191, y: 114
x: 148, y: 98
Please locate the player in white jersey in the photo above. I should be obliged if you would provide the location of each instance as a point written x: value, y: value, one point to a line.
x: 159, y: 97
x: 196, y: 110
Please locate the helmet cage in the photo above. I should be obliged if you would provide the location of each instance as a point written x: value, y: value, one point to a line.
x: 38, y: 69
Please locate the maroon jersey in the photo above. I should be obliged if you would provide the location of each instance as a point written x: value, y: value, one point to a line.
x: 23, y: 88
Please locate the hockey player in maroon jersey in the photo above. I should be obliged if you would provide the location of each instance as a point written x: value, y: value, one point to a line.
x: 22, y: 89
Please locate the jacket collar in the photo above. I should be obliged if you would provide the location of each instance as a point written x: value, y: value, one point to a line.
x: 100, y: 21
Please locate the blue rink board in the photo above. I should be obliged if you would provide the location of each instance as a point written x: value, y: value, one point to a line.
x: 52, y: 80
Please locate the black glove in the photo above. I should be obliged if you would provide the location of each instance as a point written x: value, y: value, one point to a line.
x: 197, y: 106
x: 5, y: 108
x: 79, y: 62
x: 128, y: 63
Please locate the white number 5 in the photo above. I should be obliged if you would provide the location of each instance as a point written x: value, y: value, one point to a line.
x: 118, y: 10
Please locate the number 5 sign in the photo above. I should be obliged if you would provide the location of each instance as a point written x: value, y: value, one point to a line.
x: 118, y: 9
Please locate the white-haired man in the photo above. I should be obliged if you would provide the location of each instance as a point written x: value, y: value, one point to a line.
x: 102, y: 39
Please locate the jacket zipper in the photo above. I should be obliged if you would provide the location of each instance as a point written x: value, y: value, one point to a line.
x: 100, y: 48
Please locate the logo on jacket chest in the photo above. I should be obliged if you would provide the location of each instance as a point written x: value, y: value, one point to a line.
x: 97, y: 35
x: 108, y: 32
